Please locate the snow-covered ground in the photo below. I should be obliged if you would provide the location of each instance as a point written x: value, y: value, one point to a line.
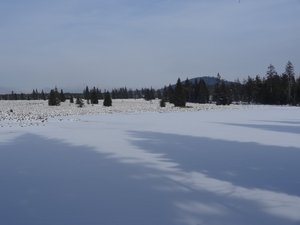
x: 28, y: 113
x: 224, y: 165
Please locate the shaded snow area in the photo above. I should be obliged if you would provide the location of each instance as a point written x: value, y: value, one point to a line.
x: 238, y: 165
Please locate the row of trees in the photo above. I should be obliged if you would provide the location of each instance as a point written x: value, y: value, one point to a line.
x: 273, y: 88
x: 187, y: 91
x: 55, y: 98
x: 35, y: 95
x: 121, y: 93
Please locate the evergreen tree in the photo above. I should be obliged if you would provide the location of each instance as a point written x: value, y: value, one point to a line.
x: 179, y: 95
x: 162, y: 102
x: 43, y: 96
x: 158, y: 94
x: 86, y: 94
x: 22, y: 96
x: 53, y: 99
x: 33, y: 95
x: 291, y: 84
x: 165, y: 93
x: 187, y: 90
x: 71, y: 99
x: 107, y: 100
x: 149, y: 94
x: 298, y: 91
x: 170, y: 94
x: 62, y: 96
x: 258, y: 90
x: 13, y: 96
x: 272, y: 86
x: 203, y: 96
x: 94, y: 96
x: 222, y: 93
x: 249, y: 90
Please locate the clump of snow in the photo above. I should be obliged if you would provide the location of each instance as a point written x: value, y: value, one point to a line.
x: 37, y: 112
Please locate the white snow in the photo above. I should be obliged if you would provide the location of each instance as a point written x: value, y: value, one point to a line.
x: 136, y: 165
x: 36, y: 112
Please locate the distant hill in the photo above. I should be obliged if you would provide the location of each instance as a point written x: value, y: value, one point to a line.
x: 209, y: 81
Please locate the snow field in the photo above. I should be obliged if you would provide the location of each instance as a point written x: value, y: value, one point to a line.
x: 37, y: 112
x: 213, y: 166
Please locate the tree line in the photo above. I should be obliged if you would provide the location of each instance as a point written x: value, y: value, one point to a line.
x: 273, y: 88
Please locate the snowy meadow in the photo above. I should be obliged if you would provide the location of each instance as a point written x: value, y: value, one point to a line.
x: 138, y: 164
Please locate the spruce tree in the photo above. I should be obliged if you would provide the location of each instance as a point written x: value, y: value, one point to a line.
x: 107, y: 100
x: 94, y: 96
x: 43, y: 96
x: 53, y: 99
x: 271, y: 86
x: 71, y: 99
x: 162, y: 103
x: 179, y: 95
x: 298, y: 91
x: 203, y: 92
x: 222, y: 95
x: 187, y: 90
x: 62, y: 96
x: 86, y: 95
x: 291, y: 85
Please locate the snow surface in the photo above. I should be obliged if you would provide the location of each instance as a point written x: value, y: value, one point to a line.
x: 202, y: 165
x: 29, y: 113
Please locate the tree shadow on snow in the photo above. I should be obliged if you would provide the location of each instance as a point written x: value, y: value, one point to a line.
x: 249, y: 165
x: 281, y: 121
x: 269, y: 127
x: 45, y: 181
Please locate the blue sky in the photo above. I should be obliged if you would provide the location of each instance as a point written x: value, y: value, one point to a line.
x: 138, y: 43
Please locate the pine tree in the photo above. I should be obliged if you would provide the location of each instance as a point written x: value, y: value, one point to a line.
x: 43, y: 96
x: 53, y: 99
x: 291, y: 86
x: 222, y: 95
x: 179, y: 95
x: 187, y: 90
x: 149, y: 94
x: 203, y: 92
x: 162, y: 103
x: 71, y: 99
x: 170, y: 94
x: 107, y: 100
x: 272, y: 86
x: 62, y: 96
x: 298, y: 91
x: 94, y: 96
x: 86, y: 94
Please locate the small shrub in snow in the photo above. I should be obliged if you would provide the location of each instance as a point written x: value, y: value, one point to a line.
x: 79, y: 102
x: 162, y: 103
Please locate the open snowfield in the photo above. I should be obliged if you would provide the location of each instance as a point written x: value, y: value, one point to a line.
x: 28, y: 113
x: 138, y: 164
